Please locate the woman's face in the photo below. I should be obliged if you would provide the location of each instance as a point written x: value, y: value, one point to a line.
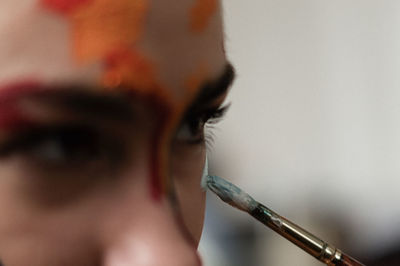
x: 102, y: 112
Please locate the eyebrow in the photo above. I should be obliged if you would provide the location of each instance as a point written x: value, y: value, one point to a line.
x: 119, y: 107
x: 211, y: 90
x: 82, y: 101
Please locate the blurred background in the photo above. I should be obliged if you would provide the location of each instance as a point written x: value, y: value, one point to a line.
x: 313, y: 131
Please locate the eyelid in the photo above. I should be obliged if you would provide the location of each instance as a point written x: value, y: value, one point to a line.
x: 32, y: 140
x: 35, y: 134
x: 192, y: 129
x: 218, y: 114
x: 209, y: 106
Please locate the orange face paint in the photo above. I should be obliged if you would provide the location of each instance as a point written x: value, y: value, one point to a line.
x: 201, y: 13
x: 107, y: 33
x: 195, y: 80
x: 128, y: 68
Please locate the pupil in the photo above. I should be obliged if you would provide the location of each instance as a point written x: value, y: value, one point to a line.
x: 67, y: 145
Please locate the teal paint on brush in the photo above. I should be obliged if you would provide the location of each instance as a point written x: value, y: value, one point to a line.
x: 231, y: 194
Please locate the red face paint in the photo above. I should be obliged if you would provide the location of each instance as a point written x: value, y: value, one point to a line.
x: 158, y: 153
x: 64, y: 6
x: 15, y: 90
x: 12, y: 118
x: 11, y: 115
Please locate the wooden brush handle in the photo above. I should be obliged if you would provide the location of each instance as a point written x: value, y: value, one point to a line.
x: 308, y: 242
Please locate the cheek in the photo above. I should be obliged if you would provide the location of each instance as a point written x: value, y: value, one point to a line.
x: 187, y: 166
x: 52, y: 218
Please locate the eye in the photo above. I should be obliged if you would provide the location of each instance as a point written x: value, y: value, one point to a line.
x: 62, y: 146
x: 192, y: 129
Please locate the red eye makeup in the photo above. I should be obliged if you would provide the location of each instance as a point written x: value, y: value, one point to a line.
x: 12, y: 115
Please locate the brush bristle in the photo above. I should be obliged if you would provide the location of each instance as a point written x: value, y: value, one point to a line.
x: 231, y: 194
x: 205, y: 175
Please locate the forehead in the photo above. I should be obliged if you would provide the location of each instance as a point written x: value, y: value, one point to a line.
x: 163, y: 47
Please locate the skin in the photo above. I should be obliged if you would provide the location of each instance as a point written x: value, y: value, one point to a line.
x: 85, y: 207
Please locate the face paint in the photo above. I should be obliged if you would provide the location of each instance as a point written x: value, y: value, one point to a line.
x: 128, y: 45
x: 130, y: 69
x: 201, y: 14
x: 107, y: 31
x: 196, y: 79
x: 64, y: 6
x: 12, y: 118
x: 11, y: 115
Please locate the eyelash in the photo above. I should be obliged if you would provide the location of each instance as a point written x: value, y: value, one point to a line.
x: 197, y: 127
x: 217, y: 117
x: 74, y: 145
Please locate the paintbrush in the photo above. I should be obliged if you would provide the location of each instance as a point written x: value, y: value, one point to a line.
x: 313, y: 245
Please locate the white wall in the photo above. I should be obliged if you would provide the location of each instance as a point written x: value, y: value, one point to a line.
x: 315, y: 120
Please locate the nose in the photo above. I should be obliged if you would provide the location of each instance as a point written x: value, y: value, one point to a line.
x: 148, y: 235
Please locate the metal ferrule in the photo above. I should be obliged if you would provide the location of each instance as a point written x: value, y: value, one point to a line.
x: 298, y: 236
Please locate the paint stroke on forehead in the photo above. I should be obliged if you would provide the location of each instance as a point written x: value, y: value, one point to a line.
x: 194, y: 81
x: 201, y: 14
x: 106, y: 32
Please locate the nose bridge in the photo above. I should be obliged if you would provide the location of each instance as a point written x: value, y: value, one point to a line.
x: 142, y: 231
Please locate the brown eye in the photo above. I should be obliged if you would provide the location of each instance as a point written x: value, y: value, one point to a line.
x: 65, y: 146
x: 61, y: 146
